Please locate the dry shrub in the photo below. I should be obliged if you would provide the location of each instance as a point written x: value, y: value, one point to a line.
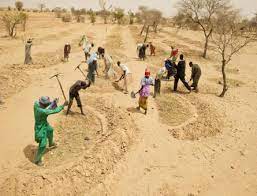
x: 11, y: 20
x: 81, y: 19
x: 58, y: 14
x: 66, y: 18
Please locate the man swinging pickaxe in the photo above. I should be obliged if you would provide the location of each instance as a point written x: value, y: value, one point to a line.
x: 78, y: 67
x: 57, y: 77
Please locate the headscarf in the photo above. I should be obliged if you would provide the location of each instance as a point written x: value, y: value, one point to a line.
x: 147, y: 72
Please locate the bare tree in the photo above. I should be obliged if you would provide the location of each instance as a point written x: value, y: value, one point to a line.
x: 230, y: 37
x: 11, y: 20
x: 142, y: 15
x: 105, y: 9
x: 92, y: 16
x: 253, y: 23
x: 149, y: 18
x: 19, y: 5
x: 202, y: 12
x: 118, y: 15
x: 156, y: 17
x: 24, y: 19
x: 41, y: 6
x: 132, y: 16
x: 182, y: 21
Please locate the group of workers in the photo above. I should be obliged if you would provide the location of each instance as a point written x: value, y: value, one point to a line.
x: 45, y: 107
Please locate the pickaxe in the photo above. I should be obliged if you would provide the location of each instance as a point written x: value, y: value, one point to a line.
x: 57, y: 77
x: 78, y: 67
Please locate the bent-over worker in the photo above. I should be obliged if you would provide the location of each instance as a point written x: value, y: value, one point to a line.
x: 74, y: 93
x: 124, y: 76
x: 195, y: 76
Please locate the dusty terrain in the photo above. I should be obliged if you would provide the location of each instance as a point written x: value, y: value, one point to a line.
x: 188, y: 144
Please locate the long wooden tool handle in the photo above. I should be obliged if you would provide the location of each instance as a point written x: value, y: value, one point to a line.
x: 82, y: 72
x: 61, y: 89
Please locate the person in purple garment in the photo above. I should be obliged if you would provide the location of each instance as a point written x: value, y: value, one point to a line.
x: 144, y: 92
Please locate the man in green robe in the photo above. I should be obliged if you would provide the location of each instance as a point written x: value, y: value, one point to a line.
x: 43, y: 131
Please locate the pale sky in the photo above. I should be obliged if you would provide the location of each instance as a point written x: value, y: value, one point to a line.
x: 248, y: 7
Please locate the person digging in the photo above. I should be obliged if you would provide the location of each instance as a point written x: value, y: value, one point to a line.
x: 43, y: 131
x: 124, y: 76
x: 195, y: 76
x: 74, y: 93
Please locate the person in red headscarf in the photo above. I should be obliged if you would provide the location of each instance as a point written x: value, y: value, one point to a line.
x: 144, y: 91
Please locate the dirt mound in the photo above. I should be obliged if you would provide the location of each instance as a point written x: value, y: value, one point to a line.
x: 46, y: 59
x: 101, y: 86
x: 86, y: 153
x: 13, y: 78
x: 173, y: 110
x: 208, y: 123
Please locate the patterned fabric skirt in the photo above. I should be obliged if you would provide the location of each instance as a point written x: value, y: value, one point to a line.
x: 143, y: 102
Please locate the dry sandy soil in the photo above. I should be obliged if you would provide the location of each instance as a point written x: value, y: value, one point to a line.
x: 187, y: 145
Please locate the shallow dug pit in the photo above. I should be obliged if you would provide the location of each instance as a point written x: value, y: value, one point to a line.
x: 88, y: 150
x: 208, y: 122
x: 173, y: 109
x: 74, y: 134
x: 101, y: 86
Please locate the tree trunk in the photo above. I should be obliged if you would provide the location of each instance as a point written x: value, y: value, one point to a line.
x: 143, y: 28
x: 24, y: 25
x: 131, y: 21
x: 155, y: 28
x: 12, y: 31
x: 147, y: 32
x: 205, y: 47
x: 225, y: 87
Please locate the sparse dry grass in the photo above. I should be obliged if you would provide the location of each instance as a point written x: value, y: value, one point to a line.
x: 231, y: 82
